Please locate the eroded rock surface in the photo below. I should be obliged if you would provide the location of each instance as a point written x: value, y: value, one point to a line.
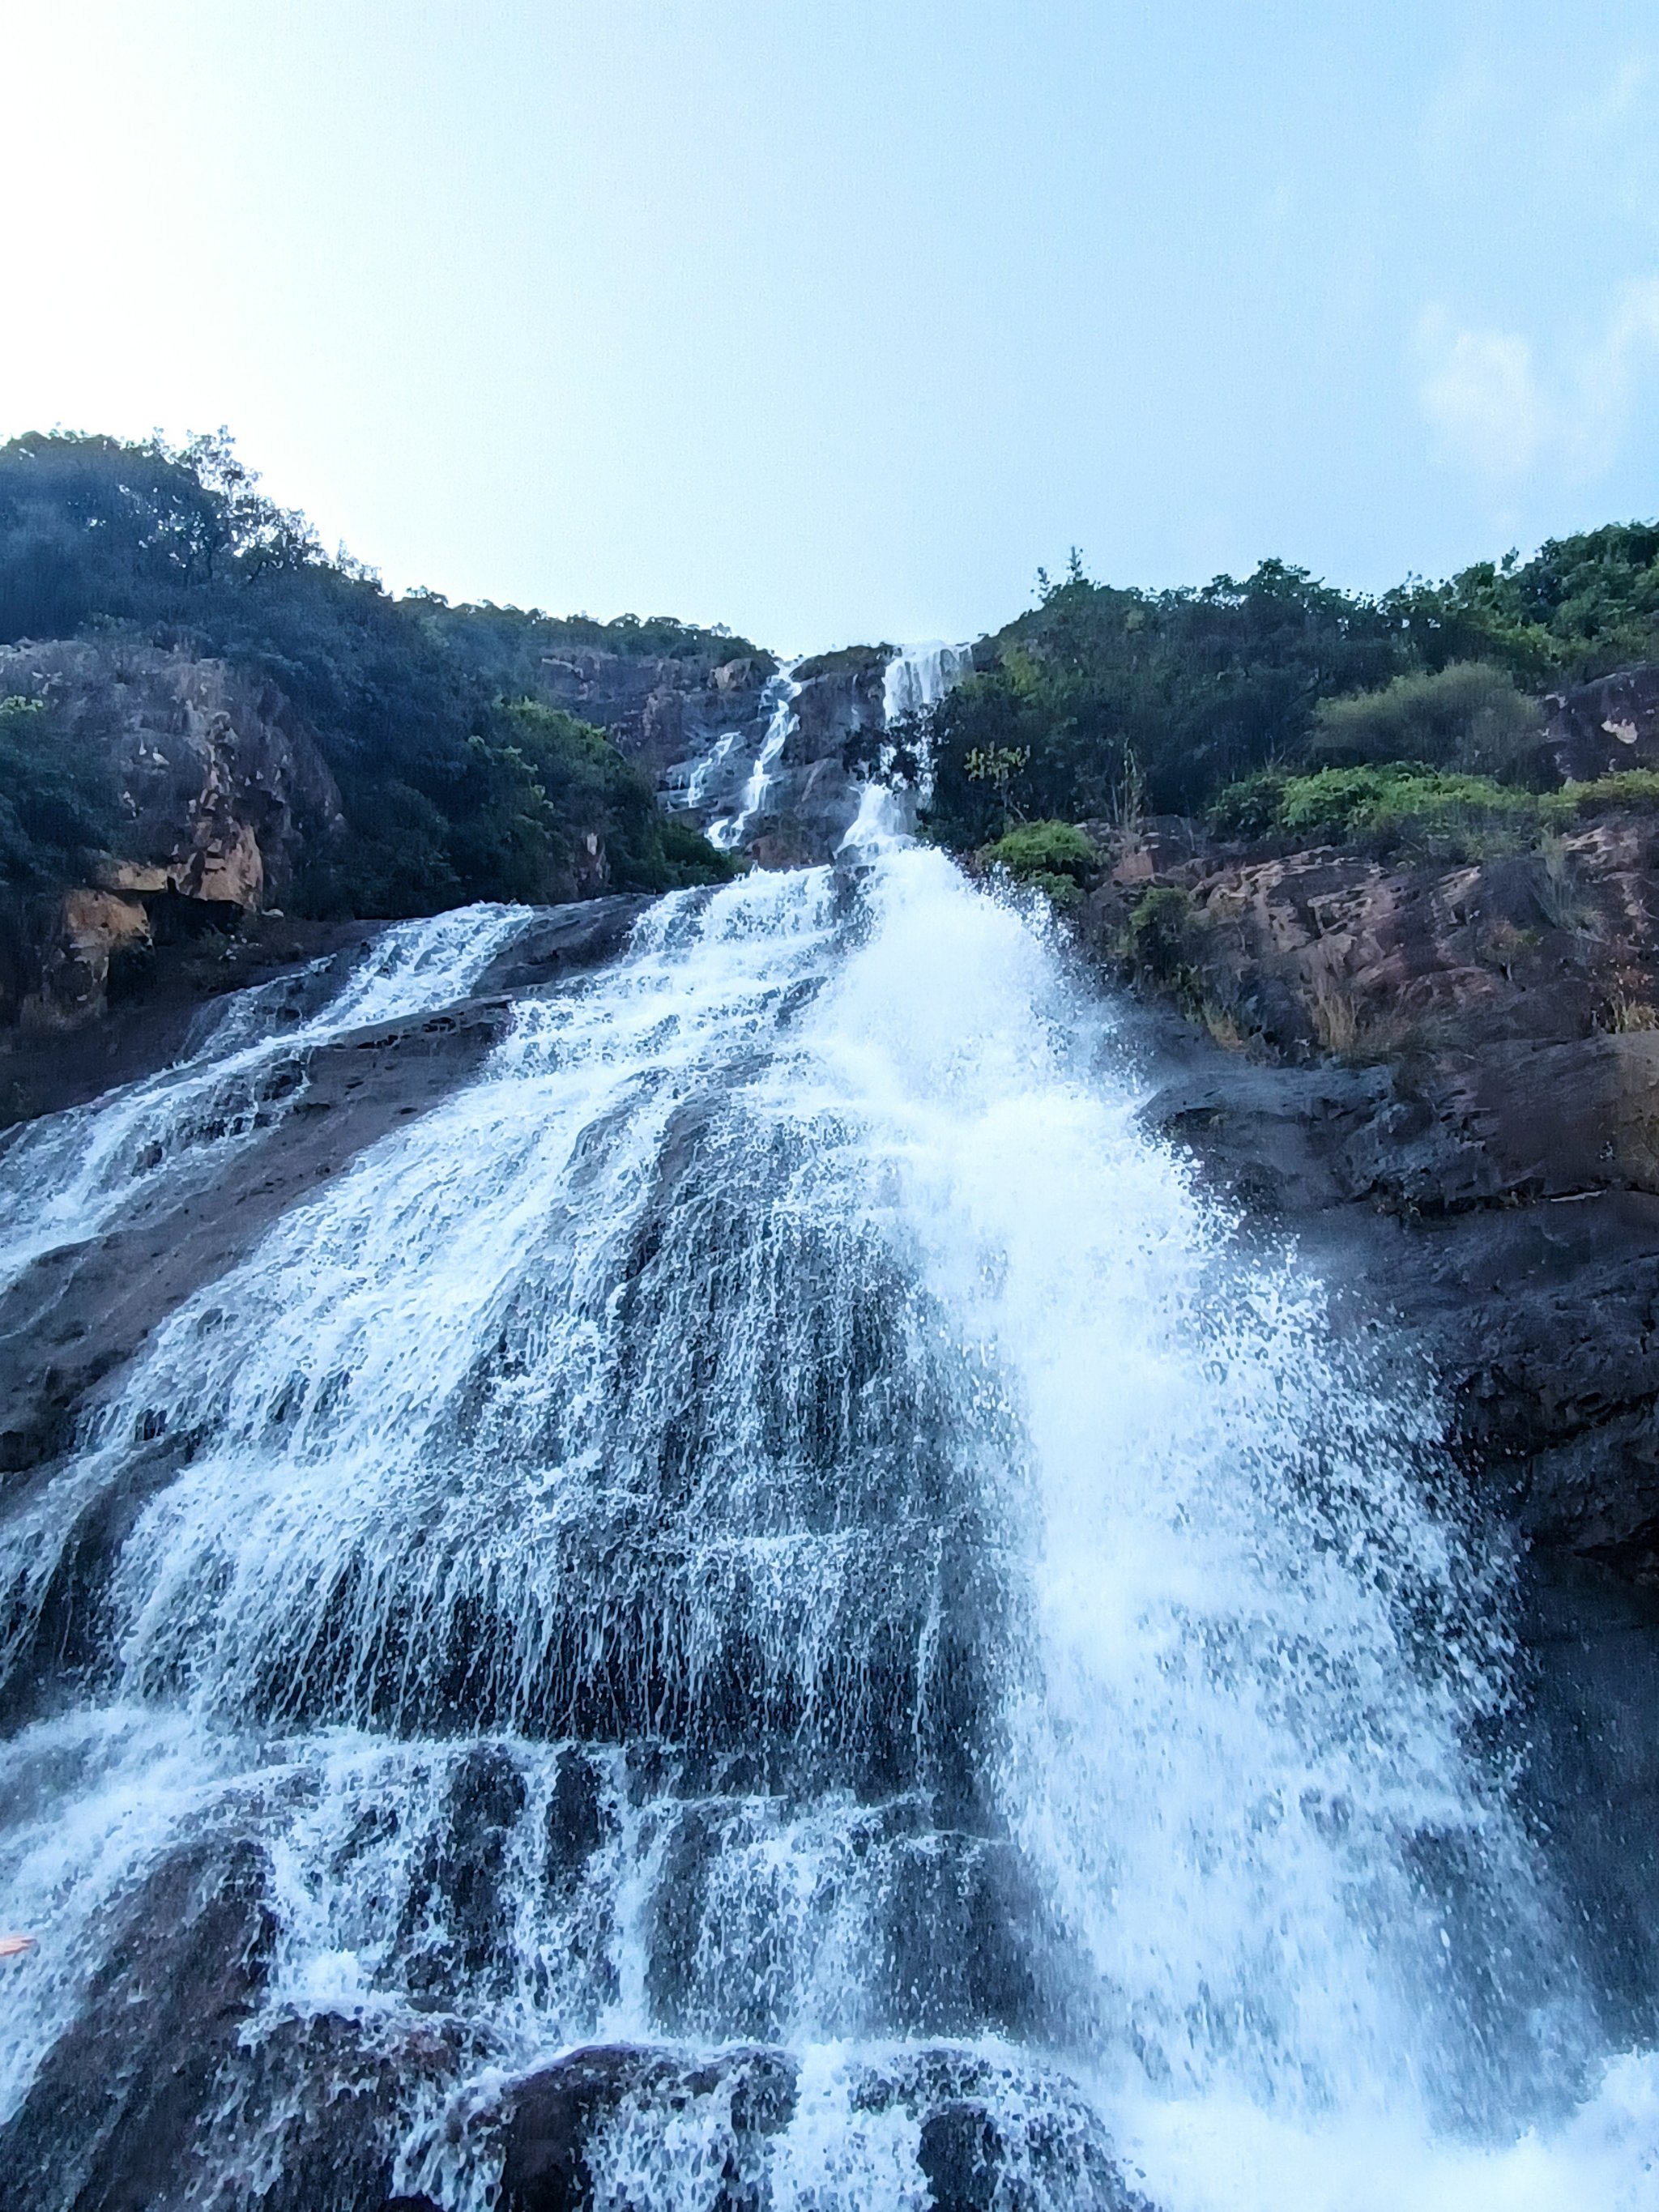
x: 219, y: 785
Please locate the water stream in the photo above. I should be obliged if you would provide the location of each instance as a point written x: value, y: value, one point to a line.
x: 729, y: 832
x: 773, y: 1520
x: 68, y: 1175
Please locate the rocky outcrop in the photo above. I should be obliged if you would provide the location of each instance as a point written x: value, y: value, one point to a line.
x: 1613, y: 723
x: 115, y: 2121
x: 658, y: 711
x: 217, y: 785
x: 1310, y: 953
x: 812, y: 798
x: 78, y: 1314
x: 1444, y: 1080
x: 985, y: 2135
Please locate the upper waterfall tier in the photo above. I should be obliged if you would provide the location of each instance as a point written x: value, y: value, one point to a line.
x: 778, y: 786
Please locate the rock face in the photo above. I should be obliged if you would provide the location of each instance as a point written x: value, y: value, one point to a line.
x: 808, y: 797
x: 218, y: 784
x: 116, y: 2122
x: 1329, y: 951
x: 657, y: 711
x: 1446, y: 1078
x: 78, y: 1313
x: 1613, y: 723
x: 812, y: 800
x: 564, y: 2127
x: 700, y: 731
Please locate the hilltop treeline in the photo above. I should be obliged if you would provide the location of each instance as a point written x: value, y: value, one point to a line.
x: 455, y: 784
x: 1103, y: 699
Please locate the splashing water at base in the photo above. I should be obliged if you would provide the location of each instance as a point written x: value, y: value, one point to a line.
x: 773, y: 1529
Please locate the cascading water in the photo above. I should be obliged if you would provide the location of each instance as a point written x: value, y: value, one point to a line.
x: 64, y: 1178
x: 914, y: 682
x: 771, y: 1539
x: 777, y: 703
x: 919, y: 676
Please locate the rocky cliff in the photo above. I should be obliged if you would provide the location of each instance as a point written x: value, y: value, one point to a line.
x: 217, y: 786
x: 658, y: 711
x: 701, y: 730
x: 1443, y: 1079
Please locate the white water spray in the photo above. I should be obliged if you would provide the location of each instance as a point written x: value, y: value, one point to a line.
x: 776, y: 1514
x: 728, y: 835
x: 68, y: 1175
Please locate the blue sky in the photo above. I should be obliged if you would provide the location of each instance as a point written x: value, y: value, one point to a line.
x: 833, y: 321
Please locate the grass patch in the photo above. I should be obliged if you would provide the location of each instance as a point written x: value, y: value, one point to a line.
x: 1442, y: 810
x: 1629, y: 791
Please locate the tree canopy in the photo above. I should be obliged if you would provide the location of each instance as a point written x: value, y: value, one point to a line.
x: 412, y: 701
x: 1104, y: 698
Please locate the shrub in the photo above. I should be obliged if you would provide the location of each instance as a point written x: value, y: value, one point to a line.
x: 1441, y: 810
x: 1468, y: 716
x: 1043, y: 848
x: 54, y: 808
x: 1162, y: 933
x: 1252, y: 807
x: 847, y: 660
x: 1633, y: 790
x: 446, y: 794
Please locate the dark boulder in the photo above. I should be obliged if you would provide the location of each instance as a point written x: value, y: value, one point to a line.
x: 112, y: 2121
x: 556, y: 2120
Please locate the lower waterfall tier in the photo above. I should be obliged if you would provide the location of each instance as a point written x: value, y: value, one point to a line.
x: 760, y: 1609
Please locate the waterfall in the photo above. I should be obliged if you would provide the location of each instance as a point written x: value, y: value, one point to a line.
x: 914, y: 680
x: 64, y: 1178
x: 771, y: 1564
x: 777, y: 703
x: 919, y: 676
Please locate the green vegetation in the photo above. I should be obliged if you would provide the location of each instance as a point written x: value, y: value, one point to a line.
x: 449, y: 793
x: 53, y: 809
x: 1404, y: 806
x: 1469, y: 715
x: 847, y: 660
x: 1104, y: 699
x: 1582, y: 605
x: 1182, y: 691
x: 1402, y: 803
x: 1051, y: 856
x: 1280, y: 704
x: 1162, y: 933
x: 1633, y: 791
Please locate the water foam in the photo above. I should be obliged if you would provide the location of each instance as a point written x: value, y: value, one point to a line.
x: 776, y: 1514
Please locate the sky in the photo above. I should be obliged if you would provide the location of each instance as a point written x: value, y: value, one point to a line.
x: 833, y: 319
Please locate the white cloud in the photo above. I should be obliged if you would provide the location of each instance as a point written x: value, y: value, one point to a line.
x: 1481, y: 395
x: 1497, y: 415
x: 1607, y: 378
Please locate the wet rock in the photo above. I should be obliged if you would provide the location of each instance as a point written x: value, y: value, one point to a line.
x: 154, y: 1017
x: 1445, y: 1081
x: 996, y: 2136
x: 986, y: 2134
x: 558, y: 2121
x: 174, y: 2076
x: 560, y: 941
x: 457, y: 1917
x: 963, y: 2156
x: 112, y: 2122
x: 317, y: 2104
